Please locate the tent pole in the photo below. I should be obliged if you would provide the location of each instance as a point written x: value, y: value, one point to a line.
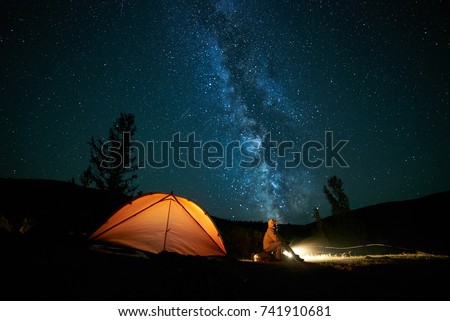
x: 167, y: 226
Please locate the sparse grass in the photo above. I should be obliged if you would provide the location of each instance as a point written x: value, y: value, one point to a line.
x: 347, y: 262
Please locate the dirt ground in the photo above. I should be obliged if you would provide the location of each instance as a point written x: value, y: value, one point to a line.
x: 83, y: 273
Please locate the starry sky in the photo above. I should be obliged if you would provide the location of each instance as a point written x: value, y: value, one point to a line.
x: 373, y: 74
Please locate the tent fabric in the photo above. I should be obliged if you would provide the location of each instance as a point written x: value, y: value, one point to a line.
x: 158, y: 222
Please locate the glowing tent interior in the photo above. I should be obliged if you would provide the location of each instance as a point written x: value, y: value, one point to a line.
x: 158, y: 222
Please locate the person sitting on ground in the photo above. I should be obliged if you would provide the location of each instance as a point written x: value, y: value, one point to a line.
x: 272, y: 242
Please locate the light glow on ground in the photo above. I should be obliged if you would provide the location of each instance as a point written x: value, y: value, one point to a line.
x: 359, y: 255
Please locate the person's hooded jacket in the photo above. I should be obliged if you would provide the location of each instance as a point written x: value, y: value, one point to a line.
x: 271, y: 235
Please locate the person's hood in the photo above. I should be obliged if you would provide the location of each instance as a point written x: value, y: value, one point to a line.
x: 271, y: 223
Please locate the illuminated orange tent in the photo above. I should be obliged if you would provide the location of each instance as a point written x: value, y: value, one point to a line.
x: 158, y: 222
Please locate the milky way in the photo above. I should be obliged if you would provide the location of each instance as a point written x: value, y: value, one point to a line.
x: 373, y: 75
x: 245, y: 104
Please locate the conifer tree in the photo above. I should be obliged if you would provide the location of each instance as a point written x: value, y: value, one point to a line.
x: 113, y: 163
x: 336, y: 196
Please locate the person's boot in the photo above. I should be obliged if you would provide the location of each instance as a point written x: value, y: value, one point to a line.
x: 298, y: 258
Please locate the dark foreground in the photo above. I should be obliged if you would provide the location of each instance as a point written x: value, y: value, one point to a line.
x: 79, y: 273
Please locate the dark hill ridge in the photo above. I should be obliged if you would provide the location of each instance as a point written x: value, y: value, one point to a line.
x: 58, y: 208
x: 413, y: 225
x: 416, y: 224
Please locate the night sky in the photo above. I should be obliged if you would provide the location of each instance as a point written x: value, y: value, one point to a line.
x: 374, y: 74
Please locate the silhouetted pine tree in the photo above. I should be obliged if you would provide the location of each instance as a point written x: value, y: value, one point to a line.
x: 113, y: 163
x: 319, y: 223
x: 336, y: 196
x: 316, y: 215
x: 346, y: 230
